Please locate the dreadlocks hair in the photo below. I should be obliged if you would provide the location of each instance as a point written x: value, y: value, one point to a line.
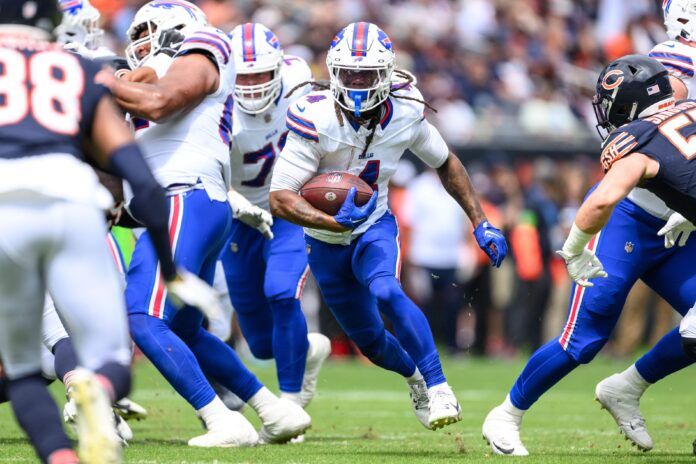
x: 407, y: 78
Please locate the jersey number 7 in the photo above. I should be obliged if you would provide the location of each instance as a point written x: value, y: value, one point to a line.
x: 48, y: 85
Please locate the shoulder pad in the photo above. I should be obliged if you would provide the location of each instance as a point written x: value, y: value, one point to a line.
x: 208, y: 39
x: 304, y: 113
x: 625, y: 140
x: 408, y: 107
x: 679, y: 59
x: 295, y: 70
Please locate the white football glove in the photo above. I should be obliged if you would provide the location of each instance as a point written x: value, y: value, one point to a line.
x: 583, y: 267
x: 189, y: 289
x: 676, y: 230
x: 251, y: 215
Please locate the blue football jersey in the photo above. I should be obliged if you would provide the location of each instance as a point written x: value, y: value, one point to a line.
x: 669, y: 137
x: 48, y: 99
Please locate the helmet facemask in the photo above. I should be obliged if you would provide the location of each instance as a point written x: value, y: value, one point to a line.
x: 257, y: 98
x: 142, y: 46
x: 81, y: 29
x: 360, y: 89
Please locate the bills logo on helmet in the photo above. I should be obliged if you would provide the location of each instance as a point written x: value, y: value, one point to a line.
x: 169, y: 4
x: 607, y: 83
x: 337, y: 38
x: 71, y: 7
x: 384, y: 39
x: 272, y: 39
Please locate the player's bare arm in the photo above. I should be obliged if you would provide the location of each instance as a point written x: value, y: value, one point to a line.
x: 187, y: 82
x: 456, y: 181
x: 290, y: 206
x: 625, y: 174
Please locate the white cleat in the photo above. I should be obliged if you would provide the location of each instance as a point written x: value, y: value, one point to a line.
x: 129, y: 409
x: 125, y: 434
x: 621, y: 399
x: 319, y: 350
x: 443, y: 406
x: 231, y: 431
x: 420, y: 403
x: 98, y: 440
x: 286, y: 421
x: 123, y: 429
x: 502, y: 432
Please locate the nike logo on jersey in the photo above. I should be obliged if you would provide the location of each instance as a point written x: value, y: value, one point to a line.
x: 301, y: 108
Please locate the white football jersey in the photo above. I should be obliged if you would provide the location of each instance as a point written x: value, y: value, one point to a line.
x: 258, y: 139
x: 195, y: 145
x: 680, y: 61
x: 319, y: 143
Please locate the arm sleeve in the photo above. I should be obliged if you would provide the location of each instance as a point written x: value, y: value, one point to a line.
x: 297, y: 163
x: 429, y: 146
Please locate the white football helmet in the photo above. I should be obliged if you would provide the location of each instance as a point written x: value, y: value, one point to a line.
x: 364, y: 51
x: 80, y: 25
x: 156, y: 17
x: 256, y: 49
x: 680, y: 19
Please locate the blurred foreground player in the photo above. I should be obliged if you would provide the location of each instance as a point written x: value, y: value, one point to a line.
x: 363, y: 124
x: 266, y: 274
x: 52, y: 231
x: 634, y: 103
x: 182, y: 114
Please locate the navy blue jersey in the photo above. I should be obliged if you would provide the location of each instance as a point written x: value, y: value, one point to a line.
x: 669, y: 137
x: 48, y: 99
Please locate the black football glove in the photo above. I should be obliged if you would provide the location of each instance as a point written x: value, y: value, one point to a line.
x: 170, y: 41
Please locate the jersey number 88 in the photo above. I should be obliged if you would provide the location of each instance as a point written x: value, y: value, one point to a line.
x: 48, y: 84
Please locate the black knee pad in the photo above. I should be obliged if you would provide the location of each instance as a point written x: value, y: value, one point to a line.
x: 689, y: 346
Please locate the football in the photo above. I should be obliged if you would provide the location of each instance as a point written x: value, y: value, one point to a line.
x: 326, y: 192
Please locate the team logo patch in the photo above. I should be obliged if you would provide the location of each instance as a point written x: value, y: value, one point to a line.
x: 612, y: 79
x: 330, y: 196
x: 628, y: 248
x: 234, y: 248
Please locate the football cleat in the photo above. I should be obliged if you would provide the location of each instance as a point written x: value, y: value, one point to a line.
x: 420, y: 403
x: 502, y: 432
x: 319, y: 350
x: 98, y: 440
x: 443, y: 405
x: 286, y: 421
x: 622, y: 400
x: 231, y: 431
x: 129, y: 409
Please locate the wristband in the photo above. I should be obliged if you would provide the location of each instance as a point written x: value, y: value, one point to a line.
x: 577, y: 241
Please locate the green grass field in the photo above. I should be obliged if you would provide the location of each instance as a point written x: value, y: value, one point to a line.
x: 362, y: 415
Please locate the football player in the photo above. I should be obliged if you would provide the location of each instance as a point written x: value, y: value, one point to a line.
x: 265, y: 275
x: 628, y: 238
x: 180, y: 100
x: 362, y: 124
x: 52, y: 107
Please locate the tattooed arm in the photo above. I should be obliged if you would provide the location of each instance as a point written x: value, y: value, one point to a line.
x: 288, y: 205
x: 456, y: 181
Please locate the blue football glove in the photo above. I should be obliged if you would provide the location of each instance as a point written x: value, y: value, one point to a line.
x: 492, y: 241
x: 350, y: 215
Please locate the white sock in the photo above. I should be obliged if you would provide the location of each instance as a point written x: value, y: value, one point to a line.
x: 415, y: 377
x: 263, y: 402
x: 295, y: 397
x: 212, y: 411
x: 633, y: 377
x: 511, y: 409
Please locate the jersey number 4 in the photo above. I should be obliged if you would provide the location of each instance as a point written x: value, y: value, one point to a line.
x: 268, y: 155
x: 49, y: 85
x: 671, y: 130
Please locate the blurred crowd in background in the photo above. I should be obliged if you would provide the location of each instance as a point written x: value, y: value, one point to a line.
x: 521, y: 71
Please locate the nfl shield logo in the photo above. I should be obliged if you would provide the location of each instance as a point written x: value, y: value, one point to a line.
x: 628, y: 247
